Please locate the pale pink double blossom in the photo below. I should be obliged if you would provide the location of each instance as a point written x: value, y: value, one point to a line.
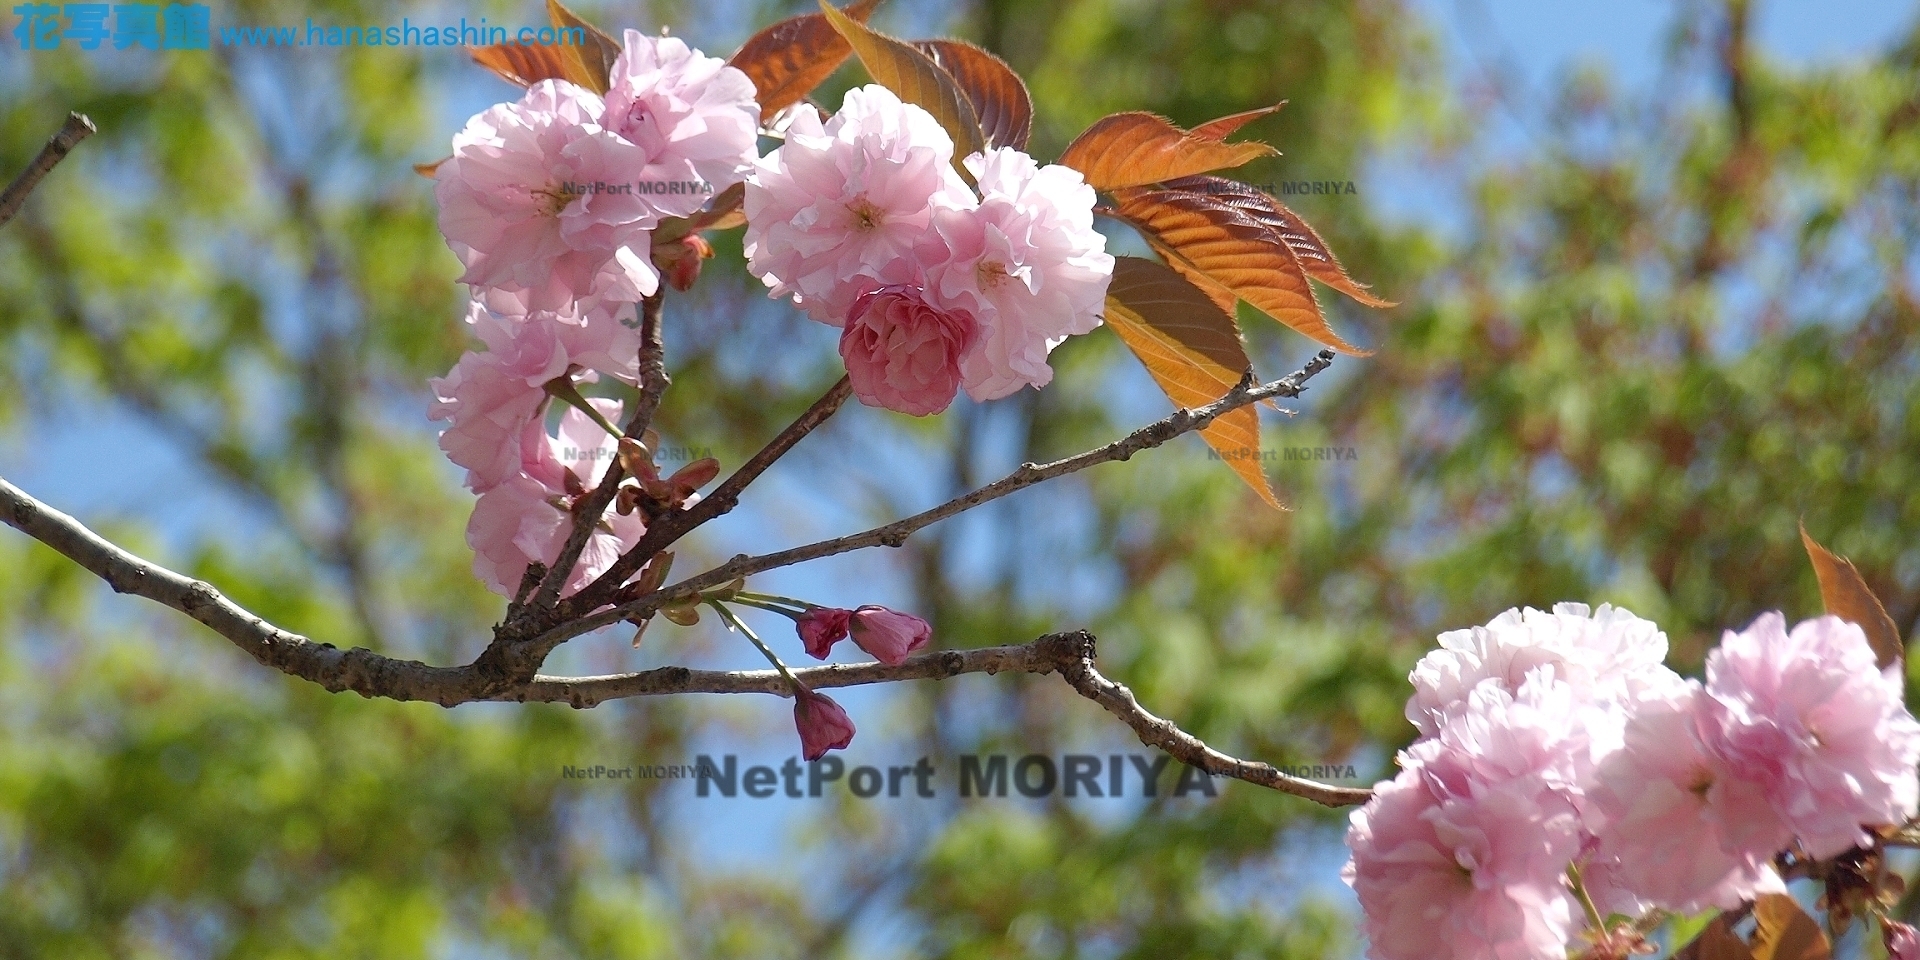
x: 1464, y: 854
x: 1559, y: 740
x: 556, y: 195
x: 865, y: 223
x: 490, y: 396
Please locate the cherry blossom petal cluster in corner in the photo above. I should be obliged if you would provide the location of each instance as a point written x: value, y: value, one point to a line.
x: 1557, y: 745
x: 865, y: 223
x: 1812, y: 724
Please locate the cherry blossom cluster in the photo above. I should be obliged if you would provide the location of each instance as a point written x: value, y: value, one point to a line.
x: 1565, y: 773
x: 936, y: 285
x: 941, y: 277
x: 550, y: 203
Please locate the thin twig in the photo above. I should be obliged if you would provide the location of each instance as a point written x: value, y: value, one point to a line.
x: 668, y: 529
x: 587, y: 513
x: 76, y: 129
x: 1045, y: 655
x: 1187, y: 748
x: 896, y: 533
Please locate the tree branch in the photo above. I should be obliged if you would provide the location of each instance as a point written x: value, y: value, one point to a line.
x: 1187, y: 748
x: 369, y: 674
x: 1070, y: 655
x: 362, y: 671
x: 587, y: 513
x: 896, y: 533
x: 1045, y: 655
x: 76, y: 129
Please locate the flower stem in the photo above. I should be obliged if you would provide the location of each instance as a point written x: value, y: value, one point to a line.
x: 1594, y: 918
x: 562, y: 388
x: 776, y: 604
x: 735, y: 623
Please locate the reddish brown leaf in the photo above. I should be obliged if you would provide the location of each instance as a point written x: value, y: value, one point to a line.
x: 526, y: 65
x: 1716, y: 942
x: 1193, y: 351
x: 1783, y: 931
x: 998, y: 95
x: 595, y: 57
x: 589, y: 64
x: 1134, y: 149
x: 913, y: 75
x: 1225, y: 126
x: 1236, y: 251
x: 1847, y: 596
x: 1313, y: 253
x: 788, y: 59
x: 428, y: 170
x: 1221, y: 295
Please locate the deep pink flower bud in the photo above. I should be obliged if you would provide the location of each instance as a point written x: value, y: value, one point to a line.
x: 821, y: 628
x: 889, y: 634
x: 823, y: 725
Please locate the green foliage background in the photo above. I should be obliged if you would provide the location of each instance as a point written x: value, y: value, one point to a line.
x: 1664, y: 329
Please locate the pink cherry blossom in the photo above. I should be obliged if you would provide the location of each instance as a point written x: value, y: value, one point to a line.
x: 903, y: 353
x: 597, y: 337
x: 889, y: 635
x: 1463, y: 854
x: 1678, y: 829
x: 1435, y: 882
x: 1026, y: 263
x: 490, y: 396
x: 524, y: 519
x: 842, y: 201
x: 1606, y: 655
x: 823, y: 725
x: 822, y: 627
x: 1816, y: 726
x: 518, y: 207
x: 693, y: 117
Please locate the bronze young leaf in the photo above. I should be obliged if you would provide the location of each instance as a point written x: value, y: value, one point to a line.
x: 1205, y: 235
x: 1135, y: 149
x: 998, y: 95
x: 1313, y: 253
x: 788, y: 59
x: 589, y: 64
x: 1847, y: 596
x: 913, y: 76
x: 1225, y: 126
x: 594, y: 58
x: 1193, y: 351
